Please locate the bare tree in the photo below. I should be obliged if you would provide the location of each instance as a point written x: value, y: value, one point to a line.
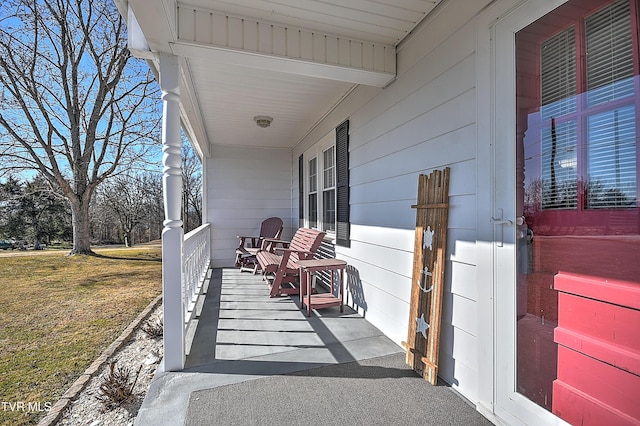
x: 152, y: 183
x: 125, y: 195
x: 128, y: 208
x: 75, y: 105
x: 191, y: 188
x: 104, y: 223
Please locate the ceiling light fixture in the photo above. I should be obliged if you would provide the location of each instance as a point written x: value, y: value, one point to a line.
x: 263, y: 120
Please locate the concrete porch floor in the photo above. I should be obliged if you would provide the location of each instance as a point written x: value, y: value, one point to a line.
x: 241, y: 334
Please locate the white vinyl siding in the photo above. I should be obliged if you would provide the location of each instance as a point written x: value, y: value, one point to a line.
x: 244, y: 187
x: 424, y: 120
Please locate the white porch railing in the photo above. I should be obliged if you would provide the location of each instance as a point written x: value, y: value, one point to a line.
x: 185, y: 258
x: 185, y: 265
x: 196, y: 256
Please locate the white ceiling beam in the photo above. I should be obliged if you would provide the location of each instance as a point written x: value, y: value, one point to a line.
x: 206, y: 34
x: 283, y: 64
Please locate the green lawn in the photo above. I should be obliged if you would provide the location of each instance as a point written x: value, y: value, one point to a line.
x: 59, y: 313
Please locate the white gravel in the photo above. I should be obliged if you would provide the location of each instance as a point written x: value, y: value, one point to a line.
x: 143, y: 350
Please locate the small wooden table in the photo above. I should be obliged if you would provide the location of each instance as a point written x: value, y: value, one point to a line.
x: 323, y: 300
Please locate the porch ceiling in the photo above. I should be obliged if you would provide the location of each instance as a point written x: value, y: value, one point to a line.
x: 292, y: 60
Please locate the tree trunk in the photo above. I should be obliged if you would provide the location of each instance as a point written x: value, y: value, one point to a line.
x: 36, y: 230
x: 128, y: 240
x: 81, y: 226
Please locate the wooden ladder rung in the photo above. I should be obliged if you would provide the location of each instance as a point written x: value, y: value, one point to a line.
x: 431, y: 206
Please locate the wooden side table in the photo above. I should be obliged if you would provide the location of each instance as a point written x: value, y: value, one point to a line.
x: 324, y: 300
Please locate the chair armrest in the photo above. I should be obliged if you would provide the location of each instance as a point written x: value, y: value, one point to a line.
x: 271, y: 244
x: 243, y: 239
x: 275, y: 240
x: 287, y: 252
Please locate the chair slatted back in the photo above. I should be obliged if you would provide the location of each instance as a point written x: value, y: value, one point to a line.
x: 304, y: 239
x: 271, y: 228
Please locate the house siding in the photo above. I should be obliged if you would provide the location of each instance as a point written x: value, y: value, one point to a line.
x: 424, y: 120
x: 244, y: 187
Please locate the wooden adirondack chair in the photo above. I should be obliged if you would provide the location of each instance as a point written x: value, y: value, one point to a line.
x: 248, y: 247
x: 302, y: 246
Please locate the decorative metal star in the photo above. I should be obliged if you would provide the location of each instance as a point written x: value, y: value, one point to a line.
x: 422, y: 326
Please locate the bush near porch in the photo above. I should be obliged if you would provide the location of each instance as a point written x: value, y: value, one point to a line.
x: 58, y: 313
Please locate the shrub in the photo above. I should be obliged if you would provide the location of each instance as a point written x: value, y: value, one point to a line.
x: 153, y: 328
x: 117, y: 389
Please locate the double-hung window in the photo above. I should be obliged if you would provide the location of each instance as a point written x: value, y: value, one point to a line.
x: 329, y: 189
x: 320, y: 185
x: 324, y: 185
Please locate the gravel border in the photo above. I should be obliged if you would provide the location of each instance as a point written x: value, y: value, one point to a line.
x: 78, y: 386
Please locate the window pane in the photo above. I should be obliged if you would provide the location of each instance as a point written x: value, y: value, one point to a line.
x: 313, y: 210
x: 609, y: 54
x: 558, y: 81
x: 612, y: 158
x: 329, y: 168
x: 559, y: 166
x: 313, y: 175
x: 329, y: 210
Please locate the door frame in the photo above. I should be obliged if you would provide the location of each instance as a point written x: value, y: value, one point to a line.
x: 496, y: 124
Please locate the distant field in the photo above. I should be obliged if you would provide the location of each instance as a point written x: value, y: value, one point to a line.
x: 58, y: 313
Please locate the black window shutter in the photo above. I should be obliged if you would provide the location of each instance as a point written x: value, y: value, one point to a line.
x: 301, y: 190
x: 342, y: 185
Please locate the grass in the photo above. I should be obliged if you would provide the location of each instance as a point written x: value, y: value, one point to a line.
x: 58, y: 313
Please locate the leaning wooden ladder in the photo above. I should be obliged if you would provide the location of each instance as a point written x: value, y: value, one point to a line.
x: 423, y: 341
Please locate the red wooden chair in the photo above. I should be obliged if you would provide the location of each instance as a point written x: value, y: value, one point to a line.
x: 249, y: 246
x: 285, y: 268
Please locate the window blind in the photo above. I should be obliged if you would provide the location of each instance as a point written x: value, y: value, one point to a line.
x: 612, y: 158
x: 606, y: 124
x: 558, y: 80
x: 611, y: 135
x: 609, y: 58
x: 559, y: 166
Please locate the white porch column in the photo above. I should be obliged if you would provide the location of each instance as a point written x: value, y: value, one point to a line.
x: 173, y: 234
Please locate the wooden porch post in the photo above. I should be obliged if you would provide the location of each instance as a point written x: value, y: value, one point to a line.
x: 173, y: 234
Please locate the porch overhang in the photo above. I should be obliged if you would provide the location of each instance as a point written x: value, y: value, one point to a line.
x: 220, y: 64
x: 291, y: 62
